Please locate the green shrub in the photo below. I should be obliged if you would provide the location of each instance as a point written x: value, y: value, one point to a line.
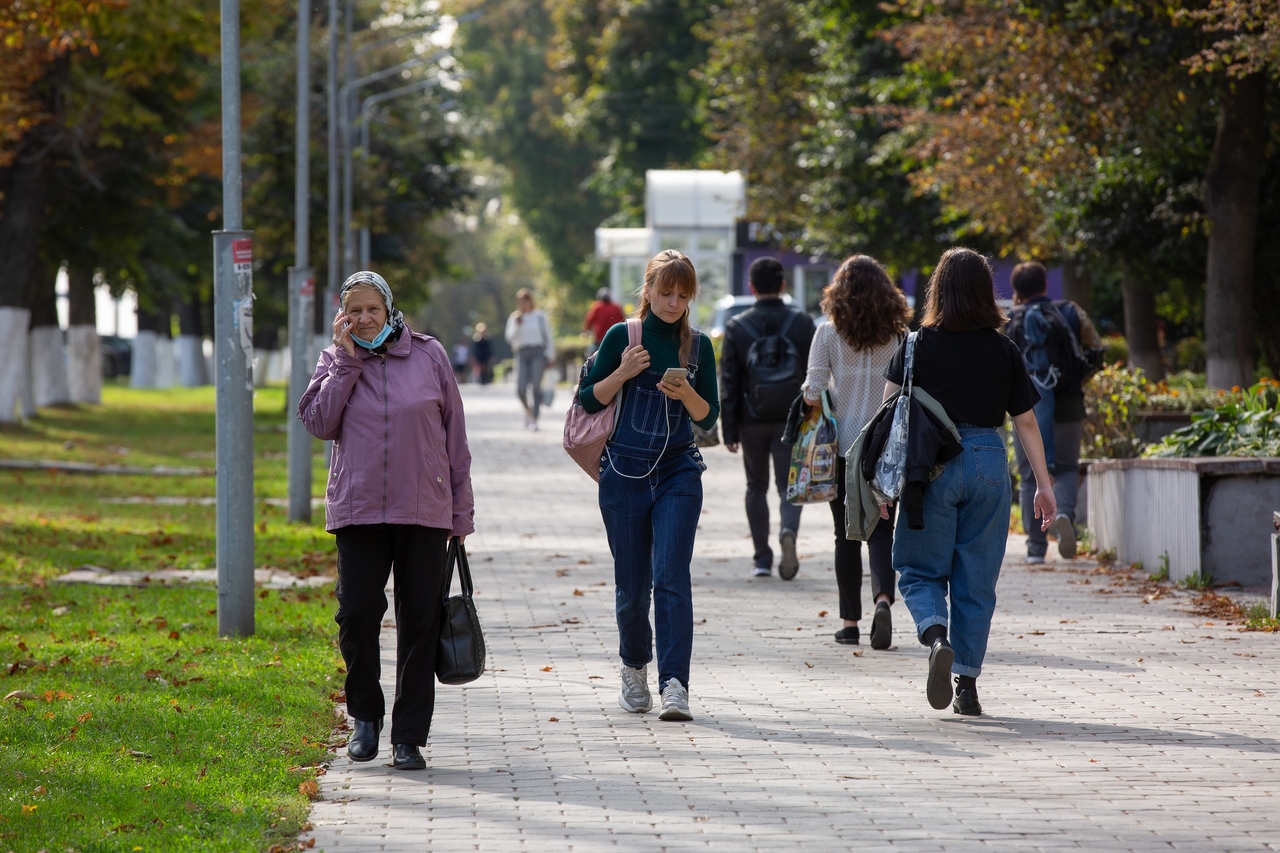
x: 1115, y: 349
x: 1113, y: 399
x: 1189, y: 354
x: 1247, y: 425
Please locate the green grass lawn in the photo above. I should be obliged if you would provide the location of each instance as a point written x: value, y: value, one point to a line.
x: 126, y: 723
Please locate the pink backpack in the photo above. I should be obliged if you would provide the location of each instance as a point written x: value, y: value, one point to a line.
x: 585, y: 434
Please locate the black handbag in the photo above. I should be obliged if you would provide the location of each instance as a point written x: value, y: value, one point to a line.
x: 460, y: 652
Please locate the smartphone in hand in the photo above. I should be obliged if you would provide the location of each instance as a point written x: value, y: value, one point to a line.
x: 673, y: 374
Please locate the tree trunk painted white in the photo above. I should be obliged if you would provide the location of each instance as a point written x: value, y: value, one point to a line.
x: 142, y: 372
x: 48, y: 367
x: 190, y: 352
x: 166, y: 370
x: 13, y: 361
x: 84, y: 364
x: 27, y: 407
x: 268, y: 366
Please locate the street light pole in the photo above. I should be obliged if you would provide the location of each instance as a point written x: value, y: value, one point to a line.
x: 344, y: 119
x: 366, y: 118
x: 301, y: 282
x: 233, y: 346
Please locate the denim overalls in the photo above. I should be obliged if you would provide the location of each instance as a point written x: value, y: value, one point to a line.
x: 651, y: 500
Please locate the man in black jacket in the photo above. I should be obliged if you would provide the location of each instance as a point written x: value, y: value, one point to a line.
x: 762, y: 365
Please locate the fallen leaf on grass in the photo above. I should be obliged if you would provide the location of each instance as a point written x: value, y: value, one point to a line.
x: 20, y: 694
x: 309, y: 789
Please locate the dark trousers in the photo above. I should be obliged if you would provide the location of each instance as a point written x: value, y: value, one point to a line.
x: 849, y: 556
x: 367, y: 555
x: 760, y: 443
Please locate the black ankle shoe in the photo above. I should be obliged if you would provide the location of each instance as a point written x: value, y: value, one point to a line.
x: 406, y: 756
x: 363, y: 745
x: 881, y: 627
x: 938, y: 687
x: 966, y: 701
x: 847, y: 636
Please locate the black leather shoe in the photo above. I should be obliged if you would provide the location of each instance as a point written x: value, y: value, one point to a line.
x: 967, y: 701
x: 848, y: 636
x: 406, y: 756
x: 881, y: 627
x: 363, y: 745
x: 938, y: 687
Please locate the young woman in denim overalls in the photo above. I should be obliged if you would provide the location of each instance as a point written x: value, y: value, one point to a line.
x: 651, y: 478
x: 978, y: 376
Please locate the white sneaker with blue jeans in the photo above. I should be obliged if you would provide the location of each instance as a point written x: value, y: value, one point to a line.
x: 635, y: 696
x: 675, y: 702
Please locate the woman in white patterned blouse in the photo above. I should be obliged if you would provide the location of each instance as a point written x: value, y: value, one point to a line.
x: 867, y: 317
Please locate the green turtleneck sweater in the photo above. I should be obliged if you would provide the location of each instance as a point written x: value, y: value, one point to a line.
x: 662, y: 342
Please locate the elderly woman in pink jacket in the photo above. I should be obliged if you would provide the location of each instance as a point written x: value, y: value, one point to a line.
x: 399, y: 487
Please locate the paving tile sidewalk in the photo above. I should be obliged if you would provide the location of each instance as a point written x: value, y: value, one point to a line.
x: 1112, y: 723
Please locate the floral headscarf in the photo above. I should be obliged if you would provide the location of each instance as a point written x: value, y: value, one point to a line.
x: 371, y: 279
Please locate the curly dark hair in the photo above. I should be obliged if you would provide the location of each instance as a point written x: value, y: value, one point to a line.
x: 864, y: 305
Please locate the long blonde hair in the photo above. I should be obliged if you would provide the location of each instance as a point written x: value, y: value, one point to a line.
x: 671, y: 268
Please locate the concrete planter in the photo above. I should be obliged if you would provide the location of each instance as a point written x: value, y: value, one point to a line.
x: 1208, y: 514
x: 1153, y: 426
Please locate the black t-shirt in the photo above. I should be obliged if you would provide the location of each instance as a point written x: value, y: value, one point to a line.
x: 977, y: 376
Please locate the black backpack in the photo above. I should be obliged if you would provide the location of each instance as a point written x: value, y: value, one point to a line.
x: 774, y: 371
x: 1049, y: 346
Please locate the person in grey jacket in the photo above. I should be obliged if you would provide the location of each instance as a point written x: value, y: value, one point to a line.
x: 399, y: 488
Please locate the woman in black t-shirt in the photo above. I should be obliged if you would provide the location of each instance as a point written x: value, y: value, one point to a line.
x: 977, y: 374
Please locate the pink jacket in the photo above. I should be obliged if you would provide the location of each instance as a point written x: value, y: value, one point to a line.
x: 399, y: 435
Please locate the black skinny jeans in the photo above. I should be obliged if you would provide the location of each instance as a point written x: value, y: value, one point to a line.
x: 367, y: 555
x: 849, y: 556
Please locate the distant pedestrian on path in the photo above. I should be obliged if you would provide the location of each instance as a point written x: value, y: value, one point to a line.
x: 651, y: 478
x: 1055, y: 345
x: 482, y: 354
x: 602, y: 316
x: 867, y: 319
x: 762, y: 366
x: 977, y: 375
x: 529, y: 334
x: 399, y: 487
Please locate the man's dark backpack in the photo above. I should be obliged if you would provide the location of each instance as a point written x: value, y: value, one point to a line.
x: 1050, y: 347
x: 774, y: 371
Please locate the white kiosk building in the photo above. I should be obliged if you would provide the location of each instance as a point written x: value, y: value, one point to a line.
x: 694, y: 211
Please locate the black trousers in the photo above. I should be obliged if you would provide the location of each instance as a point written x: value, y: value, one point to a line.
x: 849, y: 557
x: 760, y: 443
x: 367, y: 555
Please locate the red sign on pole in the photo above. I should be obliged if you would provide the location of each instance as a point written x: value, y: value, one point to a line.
x: 308, y: 288
x: 241, y: 251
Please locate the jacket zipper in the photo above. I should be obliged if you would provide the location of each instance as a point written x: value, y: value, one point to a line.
x: 386, y: 438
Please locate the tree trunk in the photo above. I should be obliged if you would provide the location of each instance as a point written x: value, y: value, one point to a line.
x: 146, y: 351
x: 48, y: 358
x: 1231, y: 190
x: 1140, y: 326
x: 84, y: 353
x: 23, y: 187
x: 1077, y: 284
x: 190, y: 344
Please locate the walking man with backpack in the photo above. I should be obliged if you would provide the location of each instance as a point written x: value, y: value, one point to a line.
x: 1061, y: 349
x: 762, y: 365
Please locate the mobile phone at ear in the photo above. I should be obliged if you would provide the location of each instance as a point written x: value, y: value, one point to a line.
x: 674, y: 373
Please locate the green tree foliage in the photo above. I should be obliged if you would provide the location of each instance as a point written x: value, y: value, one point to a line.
x: 805, y: 98
x: 518, y: 116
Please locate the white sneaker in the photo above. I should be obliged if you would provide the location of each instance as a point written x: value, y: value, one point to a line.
x: 1066, y: 533
x: 1034, y: 559
x: 635, y: 696
x: 761, y: 572
x: 675, y: 702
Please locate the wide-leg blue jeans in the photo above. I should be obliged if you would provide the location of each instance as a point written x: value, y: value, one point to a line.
x: 957, y: 555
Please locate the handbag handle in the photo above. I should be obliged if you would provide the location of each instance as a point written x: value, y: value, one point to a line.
x: 457, y: 553
x: 909, y: 359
